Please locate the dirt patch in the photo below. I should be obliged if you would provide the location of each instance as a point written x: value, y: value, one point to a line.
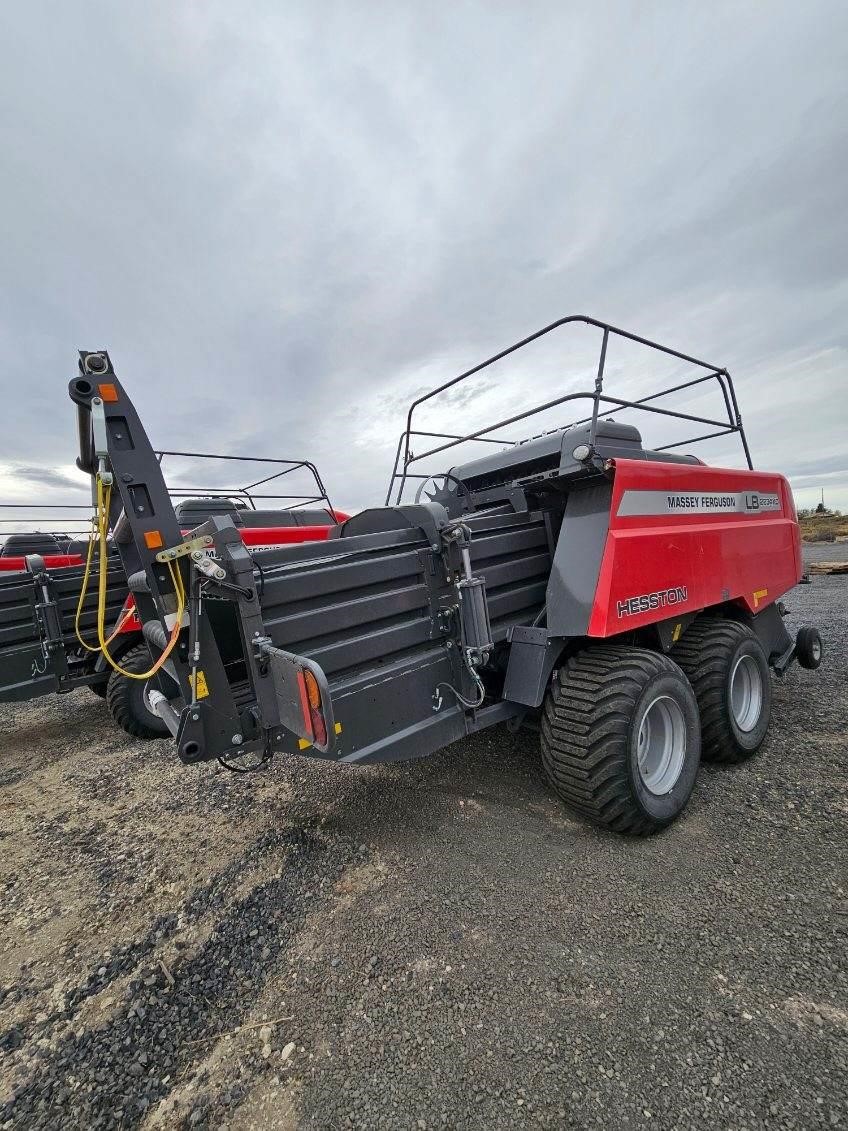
x: 435, y: 944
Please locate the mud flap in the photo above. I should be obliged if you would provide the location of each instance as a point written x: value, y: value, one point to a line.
x: 532, y: 656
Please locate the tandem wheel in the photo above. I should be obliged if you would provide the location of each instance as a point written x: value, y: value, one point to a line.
x: 729, y: 672
x: 621, y: 740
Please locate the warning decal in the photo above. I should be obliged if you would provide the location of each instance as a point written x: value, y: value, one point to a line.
x: 202, y: 689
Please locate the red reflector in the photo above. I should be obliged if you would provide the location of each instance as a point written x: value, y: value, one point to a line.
x: 319, y: 728
x: 304, y: 705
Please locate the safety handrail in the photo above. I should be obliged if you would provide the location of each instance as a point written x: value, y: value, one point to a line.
x: 404, y: 456
x: 287, y: 467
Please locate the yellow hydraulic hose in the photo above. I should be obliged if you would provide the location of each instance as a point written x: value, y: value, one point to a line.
x: 101, y: 524
x: 84, y: 590
x: 127, y: 613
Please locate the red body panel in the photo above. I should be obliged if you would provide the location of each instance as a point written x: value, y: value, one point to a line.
x: 683, y: 562
x: 252, y: 536
x: 284, y: 535
x: 52, y: 561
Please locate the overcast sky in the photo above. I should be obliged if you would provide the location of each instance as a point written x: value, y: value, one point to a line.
x: 285, y: 219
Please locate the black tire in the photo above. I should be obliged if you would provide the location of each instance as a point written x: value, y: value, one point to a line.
x: 808, y: 647
x: 125, y: 697
x: 99, y: 688
x: 709, y: 652
x: 591, y: 726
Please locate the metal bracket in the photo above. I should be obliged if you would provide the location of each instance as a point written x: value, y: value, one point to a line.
x: 101, y: 442
x: 445, y: 619
x: 203, y: 542
x: 48, y: 622
x: 784, y: 661
x: 211, y: 569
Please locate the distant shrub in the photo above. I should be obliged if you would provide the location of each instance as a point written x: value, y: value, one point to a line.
x: 823, y: 527
x: 820, y: 536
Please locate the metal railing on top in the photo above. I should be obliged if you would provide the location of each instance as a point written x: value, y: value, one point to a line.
x: 404, y: 456
x: 66, y: 527
x: 248, y: 493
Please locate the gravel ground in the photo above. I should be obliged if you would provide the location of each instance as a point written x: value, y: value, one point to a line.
x: 437, y: 944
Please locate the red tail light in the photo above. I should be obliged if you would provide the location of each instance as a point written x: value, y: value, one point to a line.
x: 312, y: 709
x: 304, y: 704
x: 316, y: 711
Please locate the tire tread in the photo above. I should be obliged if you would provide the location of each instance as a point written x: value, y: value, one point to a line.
x: 119, y: 695
x: 585, y: 727
x: 702, y: 654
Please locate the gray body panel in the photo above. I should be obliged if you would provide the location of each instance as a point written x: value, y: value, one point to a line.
x: 363, y: 609
x: 577, y: 560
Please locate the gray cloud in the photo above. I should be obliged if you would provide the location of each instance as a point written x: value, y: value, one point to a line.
x: 46, y: 476
x: 284, y: 221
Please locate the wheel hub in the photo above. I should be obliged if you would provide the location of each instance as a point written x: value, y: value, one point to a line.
x: 746, y: 693
x: 661, y: 744
x: 145, y: 696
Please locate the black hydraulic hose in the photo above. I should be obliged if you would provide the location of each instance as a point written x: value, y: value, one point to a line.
x: 481, y: 690
x: 85, y: 460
